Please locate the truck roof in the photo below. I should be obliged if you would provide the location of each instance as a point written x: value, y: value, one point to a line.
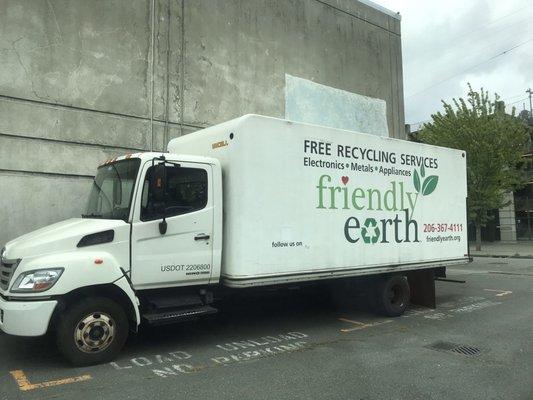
x: 147, y: 156
x: 228, y: 126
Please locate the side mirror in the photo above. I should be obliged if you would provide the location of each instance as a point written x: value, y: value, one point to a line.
x: 158, y: 187
x: 160, y: 209
x: 158, y: 182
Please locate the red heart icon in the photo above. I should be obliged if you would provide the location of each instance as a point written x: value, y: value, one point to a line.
x: 345, y: 179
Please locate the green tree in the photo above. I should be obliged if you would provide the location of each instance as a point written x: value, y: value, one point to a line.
x: 494, y: 142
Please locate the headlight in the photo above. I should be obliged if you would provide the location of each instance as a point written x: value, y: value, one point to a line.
x: 37, y: 281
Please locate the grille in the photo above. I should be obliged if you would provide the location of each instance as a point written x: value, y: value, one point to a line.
x: 455, y: 348
x: 6, y: 272
x: 466, y: 350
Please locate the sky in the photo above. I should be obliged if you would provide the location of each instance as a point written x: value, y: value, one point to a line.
x: 448, y: 44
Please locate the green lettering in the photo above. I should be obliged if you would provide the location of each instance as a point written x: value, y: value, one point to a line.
x: 345, y: 191
x: 370, y: 192
x: 333, y: 189
x: 389, y: 198
x: 358, y: 193
x: 321, y: 188
x: 411, y: 203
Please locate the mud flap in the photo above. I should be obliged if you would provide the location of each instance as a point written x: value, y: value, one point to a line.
x: 422, y: 284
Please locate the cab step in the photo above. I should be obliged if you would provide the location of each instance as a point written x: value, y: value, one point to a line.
x: 173, y: 301
x: 178, y: 315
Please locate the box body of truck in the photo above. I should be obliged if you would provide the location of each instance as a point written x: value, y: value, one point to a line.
x: 305, y: 202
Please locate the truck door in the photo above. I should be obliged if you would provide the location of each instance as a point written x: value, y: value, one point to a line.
x: 183, y: 255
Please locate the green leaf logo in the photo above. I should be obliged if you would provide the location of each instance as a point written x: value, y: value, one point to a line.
x: 416, y: 181
x: 422, y: 171
x: 429, y: 185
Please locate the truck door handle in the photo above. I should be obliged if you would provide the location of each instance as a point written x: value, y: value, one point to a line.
x: 201, y: 236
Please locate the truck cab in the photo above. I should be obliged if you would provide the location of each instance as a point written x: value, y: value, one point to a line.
x: 152, y: 225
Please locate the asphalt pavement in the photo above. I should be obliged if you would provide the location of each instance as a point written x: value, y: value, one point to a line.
x: 476, y: 344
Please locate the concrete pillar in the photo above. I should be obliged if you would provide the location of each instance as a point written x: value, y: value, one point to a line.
x: 508, y: 220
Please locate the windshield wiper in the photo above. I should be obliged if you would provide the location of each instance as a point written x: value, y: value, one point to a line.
x: 92, y: 215
x: 101, y: 191
x: 118, y: 175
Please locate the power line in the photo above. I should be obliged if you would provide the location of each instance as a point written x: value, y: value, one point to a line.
x: 490, y: 23
x: 470, y: 68
x: 454, y: 42
x: 512, y: 97
x: 517, y: 101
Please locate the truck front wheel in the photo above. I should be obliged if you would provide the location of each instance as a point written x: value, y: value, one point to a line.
x: 92, y: 331
x: 392, y: 295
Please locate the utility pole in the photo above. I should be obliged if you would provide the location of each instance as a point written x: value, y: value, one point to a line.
x: 530, y: 92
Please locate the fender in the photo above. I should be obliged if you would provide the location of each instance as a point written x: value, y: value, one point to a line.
x: 124, y: 284
x: 90, y: 267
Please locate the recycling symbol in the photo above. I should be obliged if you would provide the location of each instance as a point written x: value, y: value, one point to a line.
x: 370, y: 231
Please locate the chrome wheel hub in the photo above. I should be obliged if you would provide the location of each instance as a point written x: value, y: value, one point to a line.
x: 94, y: 333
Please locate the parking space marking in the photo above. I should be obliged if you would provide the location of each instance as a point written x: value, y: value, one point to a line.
x: 500, y: 293
x: 361, y: 325
x: 512, y: 273
x: 24, y: 384
x: 464, y: 305
x: 476, y: 306
x: 438, y: 316
x: 180, y: 362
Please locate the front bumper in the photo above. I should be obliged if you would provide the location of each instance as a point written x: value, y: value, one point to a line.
x: 26, y: 318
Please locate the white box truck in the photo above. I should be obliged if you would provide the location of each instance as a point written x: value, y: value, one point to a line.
x: 255, y: 202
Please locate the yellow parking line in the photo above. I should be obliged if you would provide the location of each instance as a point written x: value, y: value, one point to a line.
x: 361, y: 325
x: 25, y: 385
x: 352, y: 322
x: 357, y: 328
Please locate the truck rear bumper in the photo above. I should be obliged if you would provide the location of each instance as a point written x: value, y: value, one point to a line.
x: 26, y: 318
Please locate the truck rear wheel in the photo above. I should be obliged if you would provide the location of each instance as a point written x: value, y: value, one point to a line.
x: 92, y: 331
x: 392, y: 295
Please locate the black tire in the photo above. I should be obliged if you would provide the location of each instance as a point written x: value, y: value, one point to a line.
x: 85, y: 320
x: 392, y: 295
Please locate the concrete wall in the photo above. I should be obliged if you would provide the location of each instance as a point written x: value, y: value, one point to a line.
x: 80, y: 81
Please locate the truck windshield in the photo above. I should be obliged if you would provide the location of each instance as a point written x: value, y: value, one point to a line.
x: 112, y: 190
